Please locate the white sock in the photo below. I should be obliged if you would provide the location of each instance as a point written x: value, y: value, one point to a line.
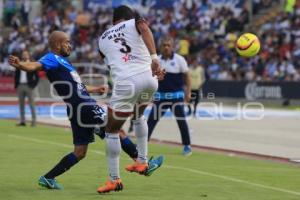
x: 113, y: 149
x: 140, y: 128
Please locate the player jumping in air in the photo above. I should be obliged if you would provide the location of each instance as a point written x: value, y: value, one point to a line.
x: 129, y: 50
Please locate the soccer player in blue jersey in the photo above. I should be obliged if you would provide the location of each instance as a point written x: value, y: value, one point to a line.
x: 80, y: 106
x: 83, y: 112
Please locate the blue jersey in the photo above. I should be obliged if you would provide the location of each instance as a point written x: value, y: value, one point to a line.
x: 66, y: 80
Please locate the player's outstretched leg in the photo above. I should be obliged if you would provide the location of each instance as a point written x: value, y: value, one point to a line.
x: 141, y: 132
x: 48, y: 180
x: 49, y: 183
x: 127, y: 145
x: 154, y: 164
x: 130, y: 148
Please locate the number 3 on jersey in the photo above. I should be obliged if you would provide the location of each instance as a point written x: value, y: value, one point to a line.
x: 126, y: 48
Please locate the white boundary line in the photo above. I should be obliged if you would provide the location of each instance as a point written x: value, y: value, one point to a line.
x: 234, y: 180
x: 171, y: 167
x: 52, y: 143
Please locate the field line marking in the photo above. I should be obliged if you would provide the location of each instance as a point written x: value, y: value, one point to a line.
x: 234, y: 179
x: 171, y: 167
x: 52, y: 143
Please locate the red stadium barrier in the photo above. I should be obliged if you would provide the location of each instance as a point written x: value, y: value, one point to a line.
x: 7, y: 85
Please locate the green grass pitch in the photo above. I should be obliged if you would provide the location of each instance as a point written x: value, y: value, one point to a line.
x: 26, y: 153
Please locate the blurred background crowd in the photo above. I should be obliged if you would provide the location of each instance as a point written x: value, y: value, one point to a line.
x: 205, y: 33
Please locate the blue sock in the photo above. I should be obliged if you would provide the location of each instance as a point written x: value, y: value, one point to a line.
x: 129, y: 147
x: 64, y: 165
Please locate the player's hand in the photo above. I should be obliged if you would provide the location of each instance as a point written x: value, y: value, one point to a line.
x: 155, y: 67
x: 14, y: 61
x: 102, y: 89
x: 161, y: 74
x: 97, y: 89
x: 187, y: 97
x: 157, y: 70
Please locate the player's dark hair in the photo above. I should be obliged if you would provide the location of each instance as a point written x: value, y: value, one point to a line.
x: 123, y: 12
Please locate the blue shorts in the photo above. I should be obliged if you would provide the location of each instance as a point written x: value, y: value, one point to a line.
x: 84, y: 123
x: 82, y: 135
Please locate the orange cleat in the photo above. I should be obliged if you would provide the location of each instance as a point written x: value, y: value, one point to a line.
x: 137, y: 167
x: 115, y: 185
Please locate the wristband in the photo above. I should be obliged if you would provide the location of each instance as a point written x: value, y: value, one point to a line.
x: 154, y: 56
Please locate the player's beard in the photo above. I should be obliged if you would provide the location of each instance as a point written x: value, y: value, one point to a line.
x: 65, y: 53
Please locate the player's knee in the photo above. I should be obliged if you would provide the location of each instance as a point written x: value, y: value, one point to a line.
x: 111, y: 130
x: 80, y: 154
x: 113, y: 150
x: 141, y: 134
x: 122, y: 134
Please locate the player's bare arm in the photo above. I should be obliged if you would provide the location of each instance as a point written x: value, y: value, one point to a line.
x: 97, y: 89
x: 26, y: 66
x: 187, y: 91
x: 147, y: 36
x: 148, y: 39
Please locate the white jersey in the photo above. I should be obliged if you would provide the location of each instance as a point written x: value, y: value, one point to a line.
x: 125, y: 51
x: 176, y: 64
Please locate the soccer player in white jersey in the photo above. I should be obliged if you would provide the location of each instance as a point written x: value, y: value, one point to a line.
x: 128, y: 48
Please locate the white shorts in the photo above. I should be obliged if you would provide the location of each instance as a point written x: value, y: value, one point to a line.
x: 130, y: 91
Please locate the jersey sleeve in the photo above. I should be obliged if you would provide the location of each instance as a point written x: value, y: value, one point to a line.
x: 183, y: 65
x: 49, y: 62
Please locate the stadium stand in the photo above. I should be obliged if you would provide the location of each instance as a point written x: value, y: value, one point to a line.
x: 203, y: 31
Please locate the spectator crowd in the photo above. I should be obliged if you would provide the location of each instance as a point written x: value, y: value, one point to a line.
x: 204, y: 33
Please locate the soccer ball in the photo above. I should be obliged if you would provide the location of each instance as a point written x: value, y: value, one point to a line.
x: 247, y: 45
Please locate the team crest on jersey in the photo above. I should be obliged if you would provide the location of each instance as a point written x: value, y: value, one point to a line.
x: 80, y: 86
x: 128, y: 57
